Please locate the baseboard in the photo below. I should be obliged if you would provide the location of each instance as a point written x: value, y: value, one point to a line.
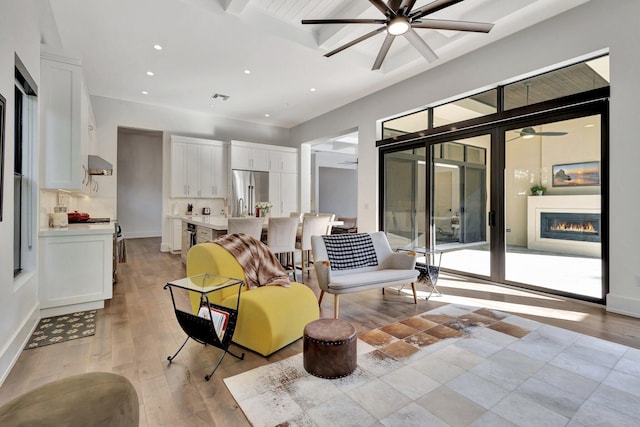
x: 13, y: 349
x: 623, y: 305
x: 72, y: 308
x: 164, y: 247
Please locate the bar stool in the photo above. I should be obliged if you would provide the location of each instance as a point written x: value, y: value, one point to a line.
x: 311, y: 226
x: 250, y: 226
x: 281, y: 239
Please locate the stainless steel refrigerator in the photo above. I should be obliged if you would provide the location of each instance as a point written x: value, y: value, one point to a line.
x: 249, y: 188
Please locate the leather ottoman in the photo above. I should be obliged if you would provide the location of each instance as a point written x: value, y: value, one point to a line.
x: 329, y: 348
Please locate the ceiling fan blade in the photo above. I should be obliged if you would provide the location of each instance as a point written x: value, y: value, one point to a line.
x: 432, y: 8
x: 551, y: 133
x: 442, y: 24
x: 407, y: 5
x: 356, y: 41
x: 420, y: 45
x: 382, y: 7
x: 383, y: 51
x: 344, y: 21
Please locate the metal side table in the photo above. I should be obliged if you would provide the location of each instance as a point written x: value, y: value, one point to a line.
x: 203, y: 329
x: 430, y: 268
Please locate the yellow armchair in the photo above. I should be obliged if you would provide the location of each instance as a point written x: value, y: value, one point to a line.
x: 269, y: 317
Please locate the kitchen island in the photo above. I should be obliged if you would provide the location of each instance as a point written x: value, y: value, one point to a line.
x: 75, y: 268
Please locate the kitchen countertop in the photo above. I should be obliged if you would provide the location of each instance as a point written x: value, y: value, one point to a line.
x: 78, y: 230
x: 215, y: 222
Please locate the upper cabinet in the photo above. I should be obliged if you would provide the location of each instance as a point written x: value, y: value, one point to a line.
x: 249, y: 156
x: 64, y: 125
x: 198, y: 167
x: 283, y: 161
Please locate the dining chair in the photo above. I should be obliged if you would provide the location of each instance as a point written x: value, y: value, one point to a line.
x: 332, y: 217
x: 250, y: 226
x: 281, y: 239
x: 311, y: 226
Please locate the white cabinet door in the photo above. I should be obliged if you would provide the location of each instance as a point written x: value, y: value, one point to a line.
x: 213, y: 171
x: 220, y: 172
x: 192, y: 169
x: 288, y: 193
x: 283, y: 161
x: 283, y: 192
x: 240, y: 157
x: 61, y: 126
x: 75, y: 271
x: 178, y: 178
x: 249, y: 158
x: 176, y: 235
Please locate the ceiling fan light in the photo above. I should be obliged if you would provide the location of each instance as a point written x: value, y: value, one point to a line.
x: 398, y: 26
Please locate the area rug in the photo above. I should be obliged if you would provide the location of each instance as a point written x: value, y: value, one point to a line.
x: 455, y: 366
x: 52, y: 330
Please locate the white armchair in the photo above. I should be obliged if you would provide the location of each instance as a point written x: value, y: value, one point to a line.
x: 354, y: 262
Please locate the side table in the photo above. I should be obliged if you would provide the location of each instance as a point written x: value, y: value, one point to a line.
x: 430, y: 268
x: 203, y: 329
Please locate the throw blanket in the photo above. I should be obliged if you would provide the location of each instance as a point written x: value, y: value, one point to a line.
x: 261, y: 267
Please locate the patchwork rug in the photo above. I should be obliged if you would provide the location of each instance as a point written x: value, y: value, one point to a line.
x: 52, y: 330
x: 455, y: 366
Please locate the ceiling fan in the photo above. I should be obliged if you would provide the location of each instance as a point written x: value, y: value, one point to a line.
x: 401, y: 20
x: 530, y: 132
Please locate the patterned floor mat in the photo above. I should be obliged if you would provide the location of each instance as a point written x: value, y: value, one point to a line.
x: 52, y: 330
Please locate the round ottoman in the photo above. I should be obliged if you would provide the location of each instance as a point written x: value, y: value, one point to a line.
x: 329, y: 348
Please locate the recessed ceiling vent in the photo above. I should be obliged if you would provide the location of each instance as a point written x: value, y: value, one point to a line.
x: 220, y: 96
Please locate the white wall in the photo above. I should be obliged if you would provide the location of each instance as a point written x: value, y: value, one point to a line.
x: 593, y: 27
x: 112, y: 113
x: 139, y: 183
x: 19, y: 307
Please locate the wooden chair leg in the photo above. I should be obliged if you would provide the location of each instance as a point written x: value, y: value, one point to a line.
x: 320, y: 297
x: 415, y: 297
x: 336, y: 306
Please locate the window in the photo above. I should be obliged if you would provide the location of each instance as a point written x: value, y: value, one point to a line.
x: 25, y: 115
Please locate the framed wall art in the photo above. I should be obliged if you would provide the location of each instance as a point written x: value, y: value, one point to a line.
x: 576, y: 174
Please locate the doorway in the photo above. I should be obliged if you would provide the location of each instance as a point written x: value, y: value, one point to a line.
x: 139, y: 187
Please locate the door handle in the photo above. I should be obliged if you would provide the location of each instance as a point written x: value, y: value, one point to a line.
x: 492, y: 218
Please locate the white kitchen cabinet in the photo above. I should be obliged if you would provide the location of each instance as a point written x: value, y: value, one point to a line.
x: 249, y: 156
x: 75, y: 272
x: 198, y: 168
x: 213, y: 171
x: 176, y: 235
x: 283, y: 161
x: 64, y: 124
x: 283, y: 193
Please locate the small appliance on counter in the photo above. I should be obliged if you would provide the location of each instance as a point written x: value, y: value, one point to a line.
x: 59, y: 218
x: 75, y: 217
x: 206, y: 211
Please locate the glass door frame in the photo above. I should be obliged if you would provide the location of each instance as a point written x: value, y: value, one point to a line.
x: 497, y: 213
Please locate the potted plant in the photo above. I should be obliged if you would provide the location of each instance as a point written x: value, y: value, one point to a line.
x: 538, y: 190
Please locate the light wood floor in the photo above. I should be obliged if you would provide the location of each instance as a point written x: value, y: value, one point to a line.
x: 137, y: 330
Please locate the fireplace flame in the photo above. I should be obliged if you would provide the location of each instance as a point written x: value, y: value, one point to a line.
x: 578, y: 228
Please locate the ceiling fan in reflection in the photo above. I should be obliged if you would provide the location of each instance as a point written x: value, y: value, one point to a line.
x: 529, y: 132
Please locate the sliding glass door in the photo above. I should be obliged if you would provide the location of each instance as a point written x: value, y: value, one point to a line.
x: 553, y: 218
x: 460, y: 171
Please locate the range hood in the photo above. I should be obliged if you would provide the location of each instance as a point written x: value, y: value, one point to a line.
x: 99, y: 166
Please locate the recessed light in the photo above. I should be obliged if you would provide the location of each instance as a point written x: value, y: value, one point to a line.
x: 590, y: 125
x: 157, y: 47
x: 144, y: 92
x: 247, y: 71
x: 266, y: 115
x: 149, y: 73
x: 313, y: 89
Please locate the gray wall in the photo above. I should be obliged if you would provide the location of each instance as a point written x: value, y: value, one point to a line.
x: 140, y: 183
x: 338, y: 190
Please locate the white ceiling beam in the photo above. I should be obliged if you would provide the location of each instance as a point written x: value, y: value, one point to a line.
x: 263, y: 22
x: 326, y: 34
x: 235, y: 7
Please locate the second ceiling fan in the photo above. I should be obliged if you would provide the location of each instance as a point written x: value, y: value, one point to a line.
x: 401, y: 20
